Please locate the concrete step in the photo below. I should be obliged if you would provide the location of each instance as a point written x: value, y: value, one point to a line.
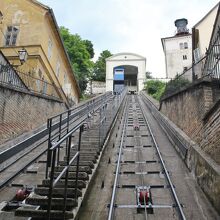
x: 58, y: 192
x: 94, y: 154
x: 85, y: 158
x: 42, y: 214
x: 61, y: 184
x: 86, y: 169
x: 72, y: 175
x: 87, y: 149
x: 81, y: 163
x: 57, y: 203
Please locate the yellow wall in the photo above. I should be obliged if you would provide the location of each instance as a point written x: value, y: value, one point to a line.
x: 36, y: 28
x: 205, y: 28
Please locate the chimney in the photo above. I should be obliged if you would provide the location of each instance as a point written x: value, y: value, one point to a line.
x: 181, y: 25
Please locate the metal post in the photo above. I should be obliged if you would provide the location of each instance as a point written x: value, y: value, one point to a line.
x: 49, y: 126
x: 51, y: 183
x: 60, y: 125
x: 78, y: 157
x: 68, y: 124
x: 66, y: 177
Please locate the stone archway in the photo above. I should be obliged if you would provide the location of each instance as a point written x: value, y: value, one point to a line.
x: 125, y: 70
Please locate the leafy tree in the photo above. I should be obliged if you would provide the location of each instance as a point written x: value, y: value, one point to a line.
x: 100, y: 66
x: 89, y: 47
x: 155, y: 88
x: 80, y: 52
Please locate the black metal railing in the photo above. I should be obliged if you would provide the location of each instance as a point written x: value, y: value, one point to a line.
x: 8, y: 76
x: 25, y: 82
x: 103, y: 110
x: 206, y: 68
x: 212, y: 64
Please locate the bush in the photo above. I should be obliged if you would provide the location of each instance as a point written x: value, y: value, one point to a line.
x: 155, y: 88
x: 175, y: 85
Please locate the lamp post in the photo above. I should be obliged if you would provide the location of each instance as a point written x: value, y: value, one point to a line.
x: 23, y: 55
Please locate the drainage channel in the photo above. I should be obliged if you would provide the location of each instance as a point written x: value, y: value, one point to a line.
x: 142, y: 186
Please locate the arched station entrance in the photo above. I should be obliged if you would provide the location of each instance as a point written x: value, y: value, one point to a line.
x: 125, y: 76
x: 125, y: 70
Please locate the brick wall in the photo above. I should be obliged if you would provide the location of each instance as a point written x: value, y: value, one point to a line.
x: 22, y: 112
x: 188, y: 110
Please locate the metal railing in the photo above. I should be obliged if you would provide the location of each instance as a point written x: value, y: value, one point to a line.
x: 104, y: 109
x: 207, y: 67
x: 8, y: 76
x: 25, y: 82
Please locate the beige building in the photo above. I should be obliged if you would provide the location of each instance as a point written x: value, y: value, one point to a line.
x: 202, y: 32
x: 31, y: 25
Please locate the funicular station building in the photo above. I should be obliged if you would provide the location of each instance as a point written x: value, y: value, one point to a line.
x: 125, y: 70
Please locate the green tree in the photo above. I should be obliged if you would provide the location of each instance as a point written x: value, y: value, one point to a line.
x: 89, y: 47
x: 100, y: 66
x: 155, y: 88
x: 80, y: 52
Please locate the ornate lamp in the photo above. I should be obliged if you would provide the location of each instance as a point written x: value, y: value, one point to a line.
x: 23, y: 55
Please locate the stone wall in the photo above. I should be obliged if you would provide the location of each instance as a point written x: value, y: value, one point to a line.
x: 205, y: 170
x: 22, y: 112
x: 191, y: 110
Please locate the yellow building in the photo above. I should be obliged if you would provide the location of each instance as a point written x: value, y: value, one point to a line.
x: 31, y: 25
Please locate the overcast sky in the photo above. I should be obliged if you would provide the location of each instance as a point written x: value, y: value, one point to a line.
x: 129, y: 25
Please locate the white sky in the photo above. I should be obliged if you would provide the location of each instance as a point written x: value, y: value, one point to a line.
x: 129, y: 25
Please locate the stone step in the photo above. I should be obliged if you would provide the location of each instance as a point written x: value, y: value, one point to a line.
x: 85, y: 158
x: 82, y: 154
x: 87, y: 149
x: 58, y: 192
x: 37, y: 200
x: 86, y: 169
x: 61, y: 183
x: 81, y: 163
x: 42, y: 214
x: 72, y: 175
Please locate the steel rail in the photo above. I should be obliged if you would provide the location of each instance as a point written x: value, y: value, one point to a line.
x: 182, y: 215
x: 110, y: 214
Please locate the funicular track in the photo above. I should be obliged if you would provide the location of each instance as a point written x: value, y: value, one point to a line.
x: 142, y: 186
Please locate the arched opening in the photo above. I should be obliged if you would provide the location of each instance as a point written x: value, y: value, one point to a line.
x: 125, y: 76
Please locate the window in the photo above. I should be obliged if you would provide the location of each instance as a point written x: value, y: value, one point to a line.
x: 181, y: 46
x: 50, y: 46
x: 58, y: 69
x: 184, y: 57
x: 65, y: 79
x: 11, y: 35
x: 185, y: 45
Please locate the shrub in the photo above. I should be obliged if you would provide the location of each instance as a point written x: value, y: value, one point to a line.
x: 155, y: 88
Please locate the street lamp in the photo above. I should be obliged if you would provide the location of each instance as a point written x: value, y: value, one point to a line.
x: 23, y: 55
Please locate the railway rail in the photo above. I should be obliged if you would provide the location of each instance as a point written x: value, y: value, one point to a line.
x: 145, y: 177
